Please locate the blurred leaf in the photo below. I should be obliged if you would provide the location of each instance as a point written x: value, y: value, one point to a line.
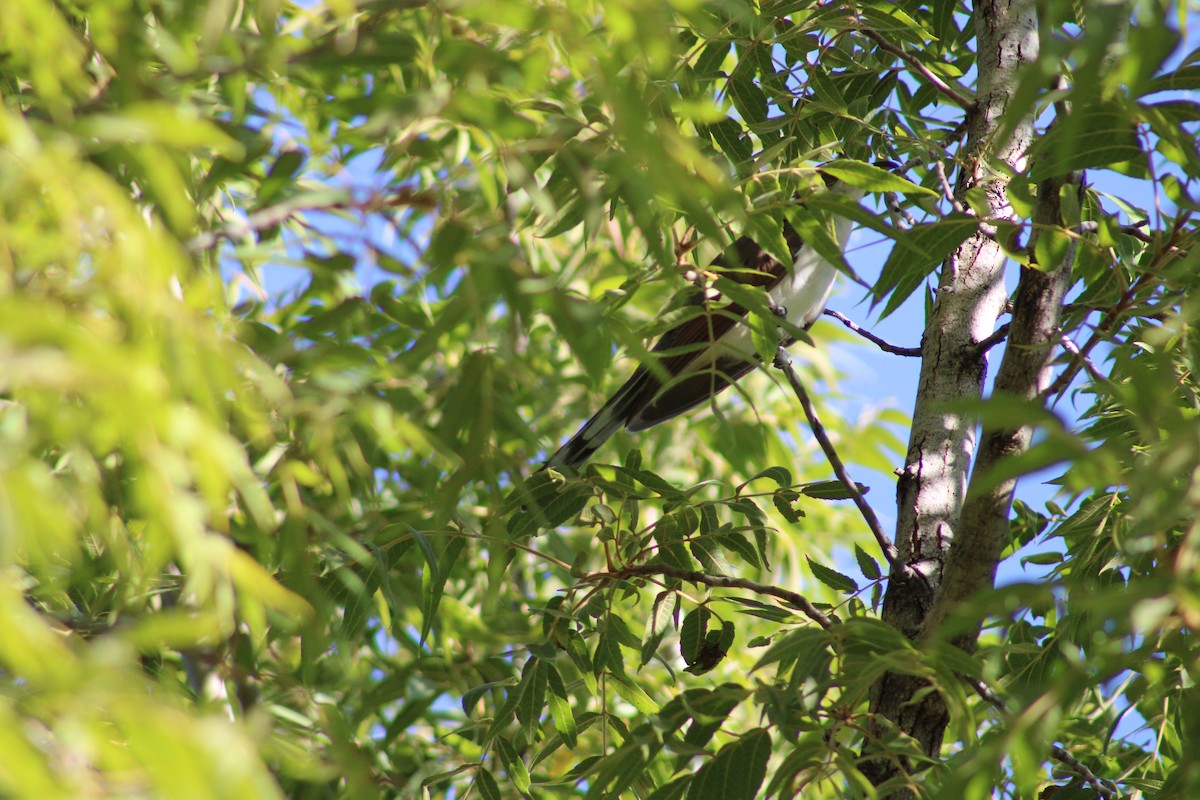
x: 1093, y: 137
x: 872, y: 178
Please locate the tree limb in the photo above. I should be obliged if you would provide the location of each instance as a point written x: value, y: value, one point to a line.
x: 1100, y: 786
x: 996, y: 338
x: 961, y: 100
x: 1088, y: 364
x: 1106, y: 789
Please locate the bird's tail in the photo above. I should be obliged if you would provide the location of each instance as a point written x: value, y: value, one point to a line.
x: 611, y: 417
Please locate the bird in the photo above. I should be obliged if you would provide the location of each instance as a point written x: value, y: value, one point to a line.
x: 707, y: 353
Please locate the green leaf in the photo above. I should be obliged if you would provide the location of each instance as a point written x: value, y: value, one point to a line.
x: 731, y: 139
x: 486, y: 784
x: 747, y: 98
x: 714, y: 649
x: 781, y: 475
x: 575, y: 320
x: 692, y: 633
x: 708, y: 710
x: 872, y: 178
x: 472, y: 695
x: 560, y: 707
x: 1043, y: 559
x: 280, y: 177
x: 736, y: 772
x: 736, y: 542
x: 830, y: 490
x: 868, y: 565
x: 178, y: 127
x: 794, y: 643
x: 673, y: 790
x: 531, y: 696
x: 1051, y: 248
x: 918, y: 251
x: 578, y: 653
x: 831, y: 578
x: 607, y: 655
x: 662, y: 612
x: 518, y: 773
x: 1094, y: 136
x: 433, y: 579
x: 544, y: 500
x: 711, y: 57
x: 650, y: 481
x: 617, y: 771
x: 709, y: 553
x: 633, y: 694
x: 1186, y: 78
x: 784, y: 503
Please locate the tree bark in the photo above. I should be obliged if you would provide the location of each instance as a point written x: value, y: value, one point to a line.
x: 932, y: 486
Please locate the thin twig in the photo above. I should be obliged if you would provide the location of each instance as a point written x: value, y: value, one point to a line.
x: 1134, y: 230
x: 903, y: 220
x: 916, y: 65
x: 1102, y: 329
x: 1087, y: 362
x: 998, y: 336
x: 1114, y: 315
x: 692, y: 576
x: 784, y: 363
x: 1104, y: 788
x: 1107, y: 789
x: 939, y: 169
x: 985, y: 691
x: 330, y: 200
x: 887, y: 347
x: 956, y: 133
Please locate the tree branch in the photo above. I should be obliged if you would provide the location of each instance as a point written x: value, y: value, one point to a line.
x: 911, y: 352
x: 783, y: 362
x: 793, y: 599
x: 998, y: 336
x: 1106, y: 325
x: 940, y: 170
x: 1105, y: 789
x: 903, y: 220
x: 961, y: 100
x: 1087, y: 362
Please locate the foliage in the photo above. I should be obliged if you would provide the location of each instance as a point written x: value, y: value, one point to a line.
x: 270, y: 537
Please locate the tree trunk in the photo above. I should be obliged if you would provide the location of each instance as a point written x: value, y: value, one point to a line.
x: 932, y: 486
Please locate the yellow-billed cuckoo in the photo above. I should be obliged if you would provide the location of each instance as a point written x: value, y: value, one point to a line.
x: 707, y: 353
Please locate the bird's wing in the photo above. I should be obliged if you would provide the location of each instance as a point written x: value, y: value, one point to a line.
x: 681, y: 379
x: 692, y: 374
